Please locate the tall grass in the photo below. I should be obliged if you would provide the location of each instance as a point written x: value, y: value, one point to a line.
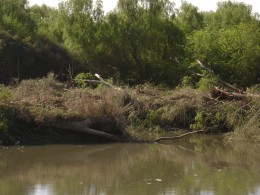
x: 248, y: 123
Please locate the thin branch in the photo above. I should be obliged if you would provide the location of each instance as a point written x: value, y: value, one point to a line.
x: 177, y: 137
x: 205, y: 67
x: 106, y: 83
x: 221, y: 81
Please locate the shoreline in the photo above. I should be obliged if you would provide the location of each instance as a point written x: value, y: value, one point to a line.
x: 43, y: 110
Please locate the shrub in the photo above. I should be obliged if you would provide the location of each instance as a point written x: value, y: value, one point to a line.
x: 187, y: 81
x: 207, y: 83
x: 5, y: 93
x: 81, y: 79
x: 6, y: 123
x: 199, y: 120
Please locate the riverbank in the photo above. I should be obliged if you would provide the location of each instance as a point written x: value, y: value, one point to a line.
x: 37, y: 111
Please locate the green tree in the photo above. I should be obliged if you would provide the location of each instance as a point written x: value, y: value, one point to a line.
x: 48, y: 22
x: 80, y: 19
x: 142, y: 41
x: 14, y: 17
x: 228, y: 43
x: 189, y: 18
x: 229, y: 14
x: 233, y: 53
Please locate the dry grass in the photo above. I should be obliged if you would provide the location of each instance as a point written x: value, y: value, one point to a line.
x: 248, y: 123
x: 85, y: 103
x: 155, y: 112
x: 39, y: 100
x: 145, y: 111
x: 46, y: 100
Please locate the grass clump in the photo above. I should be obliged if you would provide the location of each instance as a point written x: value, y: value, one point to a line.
x: 39, y: 99
x: 247, y: 122
x: 157, y: 111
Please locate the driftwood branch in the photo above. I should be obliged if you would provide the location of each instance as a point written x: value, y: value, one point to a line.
x: 92, y: 81
x: 205, y: 67
x: 82, y: 126
x: 231, y: 86
x: 221, y: 81
x: 101, y: 80
x: 177, y: 137
x: 217, y: 93
x: 106, y: 83
x: 220, y: 94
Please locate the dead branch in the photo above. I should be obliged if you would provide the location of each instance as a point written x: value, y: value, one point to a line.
x: 221, y: 81
x: 101, y: 80
x: 177, y: 137
x: 205, y: 67
x: 92, y: 81
x: 231, y: 86
x: 82, y: 126
x: 106, y: 83
x: 217, y: 93
x: 200, y: 75
x: 220, y: 94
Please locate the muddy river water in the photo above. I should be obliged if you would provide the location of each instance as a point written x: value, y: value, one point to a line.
x: 196, y: 165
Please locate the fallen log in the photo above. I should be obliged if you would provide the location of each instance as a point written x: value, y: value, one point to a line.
x: 220, y: 94
x: 177, y: 137
x: 239, y: 94
x: 221, y: 81
x: 82, y: 126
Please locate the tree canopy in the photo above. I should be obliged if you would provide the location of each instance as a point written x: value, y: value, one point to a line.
x: 139, y: 41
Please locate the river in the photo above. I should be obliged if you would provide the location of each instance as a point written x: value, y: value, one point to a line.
x: 196, y: 165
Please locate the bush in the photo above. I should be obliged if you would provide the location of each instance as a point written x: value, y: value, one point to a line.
x: 187, y: 81
x: 207, y: 83
x: 81, y: 79
x: 5, y: 93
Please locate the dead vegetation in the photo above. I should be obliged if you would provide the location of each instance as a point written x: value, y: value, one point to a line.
x: 144, y: 112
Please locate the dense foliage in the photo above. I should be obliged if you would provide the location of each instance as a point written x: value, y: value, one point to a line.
x: 139, y: 41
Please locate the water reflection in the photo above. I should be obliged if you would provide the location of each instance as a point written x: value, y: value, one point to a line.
x: 197, y: 165
x: 41, y: 189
